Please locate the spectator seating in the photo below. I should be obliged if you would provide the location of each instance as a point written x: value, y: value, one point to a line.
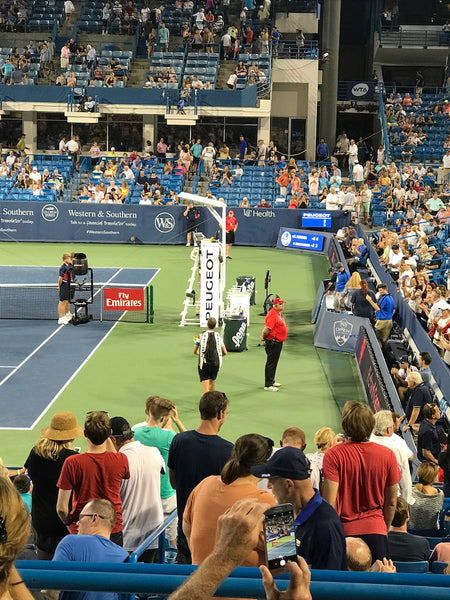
x: 160, y: 63
x: 44, y: 14
x: 205, y: 66
x: 175, y: 18
x: 432, y: 148
x: 255, y: 183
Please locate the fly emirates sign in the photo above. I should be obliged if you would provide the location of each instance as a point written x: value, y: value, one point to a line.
x: 123, y: 299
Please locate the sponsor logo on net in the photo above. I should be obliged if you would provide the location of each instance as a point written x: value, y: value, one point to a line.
x: 164, y: 222
x: 50, y: 212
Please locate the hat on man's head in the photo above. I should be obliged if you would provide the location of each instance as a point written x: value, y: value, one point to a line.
x: 119, y: 427
x: 442, y: 305
x: 338, y: 265
x: 403, y: 358
x: 287, y: 462
x: 63, y: 426
x: 279, y: 301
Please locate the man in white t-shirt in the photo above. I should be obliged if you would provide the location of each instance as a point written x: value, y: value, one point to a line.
x: 72, y: 146
x: 226, y: 44
x: 262, y: 151
x: 394, y: 258
x: 208, y: 154
x: 35, y: 175
x: 141, y: 498
x: 332, y: 202
x: 446, y: 161
x: 358, y: 175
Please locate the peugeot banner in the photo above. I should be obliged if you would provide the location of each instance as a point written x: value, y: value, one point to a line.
x: 209, y: 281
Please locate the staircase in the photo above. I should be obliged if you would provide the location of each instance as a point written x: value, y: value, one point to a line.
x: 226, y: 68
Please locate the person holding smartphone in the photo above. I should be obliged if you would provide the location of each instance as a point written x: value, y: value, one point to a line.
x: 318, y: 529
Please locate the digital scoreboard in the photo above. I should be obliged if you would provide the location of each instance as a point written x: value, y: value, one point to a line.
x: 301, y: 240
x: 316, y: 220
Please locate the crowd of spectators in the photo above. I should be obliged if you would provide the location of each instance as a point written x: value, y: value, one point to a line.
x: 133, y: 476
x: 135, y: 177
x: 21, y: 65
x: 23, y: 175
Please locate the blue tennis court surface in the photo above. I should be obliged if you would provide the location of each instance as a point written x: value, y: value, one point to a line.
x: 21, y: 275
x: 38, y: 359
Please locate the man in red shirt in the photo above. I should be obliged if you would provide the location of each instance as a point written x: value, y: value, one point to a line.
x: 360, y: 481
x: 95, y: 474
x: 274, y: 334
x: 230, y: 228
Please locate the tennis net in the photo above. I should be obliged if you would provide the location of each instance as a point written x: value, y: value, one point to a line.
x: 110, y: 302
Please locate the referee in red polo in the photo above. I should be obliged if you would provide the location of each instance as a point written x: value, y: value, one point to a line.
x: 230, y: 229
x: 274, y: 334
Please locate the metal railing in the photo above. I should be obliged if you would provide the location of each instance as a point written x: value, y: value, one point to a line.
x: 157, y: 534
x: 244, y: 582
x: 423, y: 39
x: 383, y: 122
x: 291, y: 49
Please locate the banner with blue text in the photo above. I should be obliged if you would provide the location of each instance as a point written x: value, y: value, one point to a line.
x: 112, y: 223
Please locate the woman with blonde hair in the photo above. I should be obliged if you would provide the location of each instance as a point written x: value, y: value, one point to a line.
x: 323, y: 439
x: 428, y: 500
x: 44, y: 465
x: 351, y: 287
x: 14, y: 533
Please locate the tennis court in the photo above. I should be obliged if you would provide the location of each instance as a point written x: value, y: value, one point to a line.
x: 38, y: 357
x: 136, y: 360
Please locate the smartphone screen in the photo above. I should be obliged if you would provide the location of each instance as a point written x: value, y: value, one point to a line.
x: 279, y: 534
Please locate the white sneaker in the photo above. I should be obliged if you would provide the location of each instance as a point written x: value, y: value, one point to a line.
x: 187, y: 245
x: 62, y: 321
x: 276, y: 384
x: 69, y: 317
x: 271, y: 388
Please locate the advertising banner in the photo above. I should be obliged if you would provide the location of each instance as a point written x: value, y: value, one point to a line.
x: 209, y: 281
x: 123, y: 299
x: 133, y: 223
x: 360, y: 90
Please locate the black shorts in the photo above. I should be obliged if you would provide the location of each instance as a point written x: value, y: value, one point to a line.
x: 64, y: 292
x: 191, y: 226
x: 229, y: 239
x: 208, y: 372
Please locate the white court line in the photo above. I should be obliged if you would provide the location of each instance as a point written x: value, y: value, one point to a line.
x: 67, y: 382
x: 75, y: 372
x: 8, y: 366
x: 19, y: 366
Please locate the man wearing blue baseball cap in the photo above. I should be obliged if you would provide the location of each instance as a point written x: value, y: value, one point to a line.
x: 319, y: 534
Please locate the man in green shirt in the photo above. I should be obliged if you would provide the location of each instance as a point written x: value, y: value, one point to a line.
x: 157, y: 432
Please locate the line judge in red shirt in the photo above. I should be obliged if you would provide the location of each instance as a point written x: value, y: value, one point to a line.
x: 230, y: 228
x: 274, y: 334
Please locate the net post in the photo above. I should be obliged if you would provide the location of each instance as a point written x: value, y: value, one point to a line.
x: 152, y: 313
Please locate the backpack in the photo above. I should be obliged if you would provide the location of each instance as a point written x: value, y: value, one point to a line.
x: 208, y: 352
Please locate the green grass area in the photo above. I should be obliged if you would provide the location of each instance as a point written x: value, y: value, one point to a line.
x: 138, y: 360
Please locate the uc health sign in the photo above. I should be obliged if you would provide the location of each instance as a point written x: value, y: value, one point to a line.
x: 123, y: 299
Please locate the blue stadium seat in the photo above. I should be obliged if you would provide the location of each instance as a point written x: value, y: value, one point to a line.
x: 420, y: 566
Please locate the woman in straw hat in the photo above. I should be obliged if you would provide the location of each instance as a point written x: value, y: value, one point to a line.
x: 44, y: 466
